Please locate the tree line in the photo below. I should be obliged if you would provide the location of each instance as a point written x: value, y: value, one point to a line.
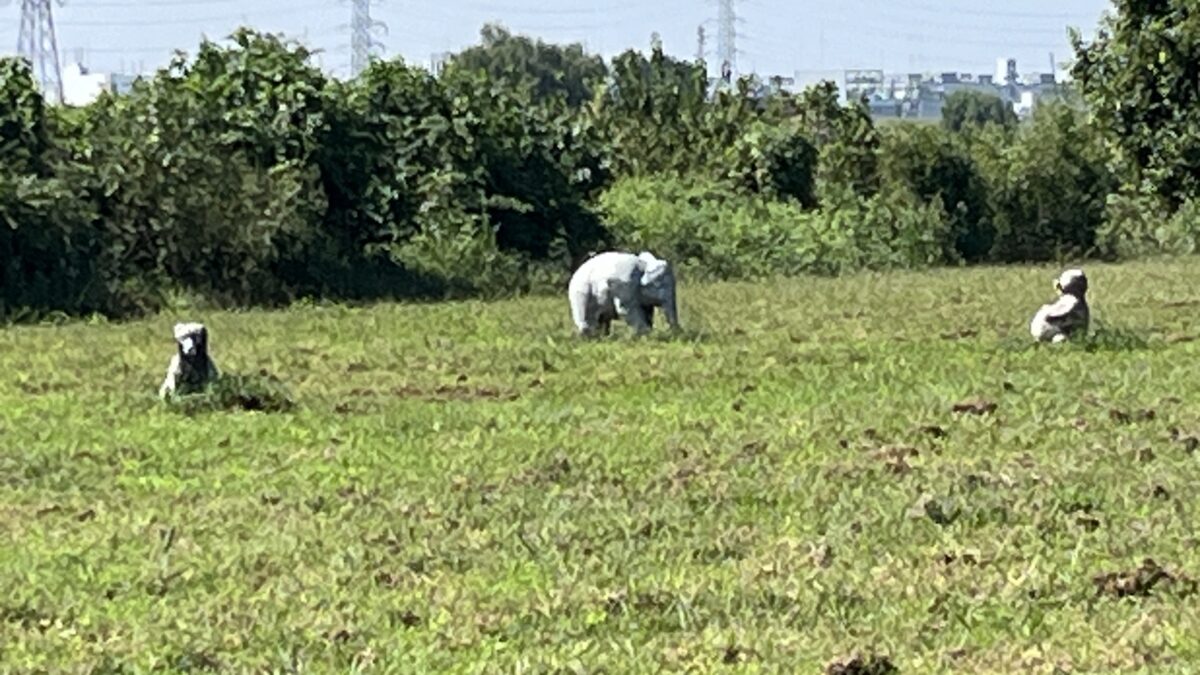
x: 243, y: 175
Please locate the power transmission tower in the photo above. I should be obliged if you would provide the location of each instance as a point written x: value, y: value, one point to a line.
x: 701, y: 43
x: 362, y: 36
x: 727, y: 38
x: 38, y: 42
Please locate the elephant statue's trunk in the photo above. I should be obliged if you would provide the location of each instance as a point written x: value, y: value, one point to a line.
x: 669, y: 310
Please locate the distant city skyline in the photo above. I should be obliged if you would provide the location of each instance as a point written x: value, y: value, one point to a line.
x: 776, y: 37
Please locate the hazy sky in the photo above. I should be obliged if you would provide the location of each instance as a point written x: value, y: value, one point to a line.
x: 776, y: 36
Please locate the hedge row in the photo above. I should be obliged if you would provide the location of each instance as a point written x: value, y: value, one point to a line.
x: 243, y: 175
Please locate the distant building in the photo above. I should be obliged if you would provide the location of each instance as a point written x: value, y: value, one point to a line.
x: 922, y: 96
x: 81, y: 86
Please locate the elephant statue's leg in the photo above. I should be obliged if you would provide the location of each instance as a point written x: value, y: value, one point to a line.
x: 593, y: 314
x: 636, y: 318
x: 648, y: 310
x: 583, y: 309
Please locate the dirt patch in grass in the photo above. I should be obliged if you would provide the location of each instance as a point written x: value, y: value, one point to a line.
x: 1143, y: 581
x: 974, y: 406
x: 455, y: 392
x: 859, y: 664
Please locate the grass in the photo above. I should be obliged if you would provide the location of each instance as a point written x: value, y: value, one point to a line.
x: 466, y: 488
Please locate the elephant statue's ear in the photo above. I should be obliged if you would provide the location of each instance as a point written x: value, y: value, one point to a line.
x: 655, y: 271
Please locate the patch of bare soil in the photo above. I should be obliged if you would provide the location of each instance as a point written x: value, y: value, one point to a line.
x: 960, y: 334
x: 1121, y: 417
x: 858, y: 664
x: 895, y: 458
x: 1143, y: 581
x: 455, y: 392
x: 975, y: 406
x: 1189, y: 442
x: 933, y: 431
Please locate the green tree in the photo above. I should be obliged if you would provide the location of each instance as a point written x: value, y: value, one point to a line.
x: 394, y: 162
x: 773, y: 157
x: 1141, y: 80
x: 205, y: 175
x: 934, y: 164
x: 550, y: 69
x: 24, y: 138
x: 1047, y: 186
x: 847, y: 144
x: 653, y: 113
x: 47, y: 244
x: 538, y: 163
x: 969, y: 109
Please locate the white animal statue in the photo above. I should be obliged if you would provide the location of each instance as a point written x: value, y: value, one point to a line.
x: 1066, y: 317
x: 618, y: 284
x: 191, y: 367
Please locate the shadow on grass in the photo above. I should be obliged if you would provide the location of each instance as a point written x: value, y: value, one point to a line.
x: 260, y: 392
x: 1101, y: 338
x: 621, y: 334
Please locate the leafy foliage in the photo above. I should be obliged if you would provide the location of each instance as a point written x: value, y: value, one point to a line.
x: 935, y: 165
x: 204, y: 177
x: 716, y: 232
x: 846, y: 140
x: 520, y: 62
x: 775, y: 159
x: 244, y: 176
x: 47, y: 242
x: 967, y: 109
x: 653, y: 113
x: 1141, y: 79
x: 24, y: 137
x: 1141, y: 225
x: 1047, y: 187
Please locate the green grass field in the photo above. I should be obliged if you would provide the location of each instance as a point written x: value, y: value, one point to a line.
x: 465, y: 487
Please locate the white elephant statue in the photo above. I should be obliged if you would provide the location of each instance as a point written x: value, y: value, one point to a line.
x: 618, y: 284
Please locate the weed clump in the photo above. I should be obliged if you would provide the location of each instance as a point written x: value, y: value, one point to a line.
x: 1106, y: 338
x: 258, y: 392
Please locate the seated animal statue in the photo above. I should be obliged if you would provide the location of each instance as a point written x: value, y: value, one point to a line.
x: 191, y: 368
x: 616, y: 284
x: 1066, y: 317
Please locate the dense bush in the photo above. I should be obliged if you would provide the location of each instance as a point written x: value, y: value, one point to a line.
x: 1047, y: 186
x: 47, y: 244
x: 846, y: 140
x: 204, y: 176
x: 713, y: 231
x: 776, y: 160
x: 1140, y: 225
x: 931, y: 163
